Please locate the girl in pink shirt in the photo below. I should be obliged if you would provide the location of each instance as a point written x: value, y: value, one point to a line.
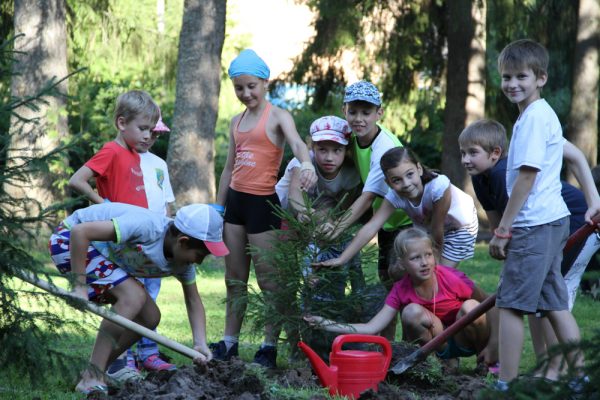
x: 428, y: 297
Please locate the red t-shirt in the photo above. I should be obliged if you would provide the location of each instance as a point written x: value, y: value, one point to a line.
x: 119, y: 176
x: 454, y: 287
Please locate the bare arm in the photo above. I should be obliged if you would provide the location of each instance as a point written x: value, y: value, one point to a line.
x: 356, y: 210
x: 80, y: 183
x: 493, y: 218
x: 81, y: 236
x: 438, y: 217
x: 197, y: 318
x: 308, y: 177
x: 520, y: 192
x: 373, y: 327
x: 364, y: 235
x: 578, y: 165
x: 225, y: 180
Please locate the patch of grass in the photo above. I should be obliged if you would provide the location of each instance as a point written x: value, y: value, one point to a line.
x: 174, y: 325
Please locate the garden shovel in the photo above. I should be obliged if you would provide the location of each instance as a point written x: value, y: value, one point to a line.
x: 108, y: 314
x: 421, y: 354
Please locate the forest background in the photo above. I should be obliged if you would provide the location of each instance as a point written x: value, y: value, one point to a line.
x: 434, y: 61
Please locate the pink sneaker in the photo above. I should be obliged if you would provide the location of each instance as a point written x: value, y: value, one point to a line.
x: 154, y: 363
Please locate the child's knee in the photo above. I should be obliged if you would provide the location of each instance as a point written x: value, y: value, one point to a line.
x: 466, y: 307
x: 412, y: 315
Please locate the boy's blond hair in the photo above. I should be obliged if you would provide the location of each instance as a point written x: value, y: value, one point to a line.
x: 133, y: 103
x: 524, y: 53
x: 486, y: 133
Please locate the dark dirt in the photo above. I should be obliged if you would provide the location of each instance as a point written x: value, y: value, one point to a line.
x: 237, y: 380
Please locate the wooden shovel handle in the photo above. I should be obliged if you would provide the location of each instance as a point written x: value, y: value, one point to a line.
x: 108, y: 314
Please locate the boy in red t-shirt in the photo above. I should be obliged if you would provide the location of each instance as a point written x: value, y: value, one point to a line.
x: 116, y: 166
x: 119, y: 178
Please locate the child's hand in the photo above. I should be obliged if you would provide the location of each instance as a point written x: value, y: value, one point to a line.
x: 329, y: 230
x: 489, y: 354
x: 314, y: 321
x: 498, y: 247
x: 592, y: 211
x: 205, y: 354
x: 332, y: 262
x: 308, y: 177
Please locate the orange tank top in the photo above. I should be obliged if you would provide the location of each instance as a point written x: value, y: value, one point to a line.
x: 257, y: 159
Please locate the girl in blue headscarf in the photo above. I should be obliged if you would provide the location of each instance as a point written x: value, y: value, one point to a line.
x: 256, y: 141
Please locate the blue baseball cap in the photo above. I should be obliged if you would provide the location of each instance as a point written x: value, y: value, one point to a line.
x: 363, y: 91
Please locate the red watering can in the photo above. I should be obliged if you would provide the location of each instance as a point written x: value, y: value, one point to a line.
x: 351, y: 371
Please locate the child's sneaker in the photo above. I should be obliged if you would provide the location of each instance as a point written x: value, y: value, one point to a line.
x: 155, y: 363
x: 124, y: 375
x: 500, y: 386
x: 577, y: 385
x: 220, y: 352
x: 266, y: 356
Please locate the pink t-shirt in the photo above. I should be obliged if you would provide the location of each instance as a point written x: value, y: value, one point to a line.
x: 454, y: 287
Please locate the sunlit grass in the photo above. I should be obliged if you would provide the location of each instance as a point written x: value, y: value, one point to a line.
x: 174, y: 324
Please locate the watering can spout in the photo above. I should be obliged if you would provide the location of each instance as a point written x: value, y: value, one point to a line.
x: 327, y: 375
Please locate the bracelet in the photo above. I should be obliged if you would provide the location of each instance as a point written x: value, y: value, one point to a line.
x: 502, y: 236
x: 307, y: 165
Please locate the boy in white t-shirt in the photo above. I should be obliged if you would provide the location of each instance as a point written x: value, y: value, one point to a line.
x: 534, y: 227
x: 161, y: 200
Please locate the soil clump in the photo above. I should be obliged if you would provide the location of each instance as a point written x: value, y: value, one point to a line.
x: 238, y: 380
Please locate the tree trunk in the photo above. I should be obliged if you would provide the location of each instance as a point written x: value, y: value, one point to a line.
x: 42, y: 56
x: 465, y: 93
x: 582, y: 128
x: 191, y: 146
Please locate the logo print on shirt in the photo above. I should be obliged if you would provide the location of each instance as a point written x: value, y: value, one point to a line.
x: 160, y: 177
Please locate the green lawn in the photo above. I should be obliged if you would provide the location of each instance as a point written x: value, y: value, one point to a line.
x: 174, y: 325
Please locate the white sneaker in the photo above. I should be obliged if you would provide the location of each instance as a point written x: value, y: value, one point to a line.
x: 125, y: 374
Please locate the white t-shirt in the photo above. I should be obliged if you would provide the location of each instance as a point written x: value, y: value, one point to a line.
x: 138, y: 249
x: 537, y: 142
x: 156, y: 181
x: 375, y: 182
x: 328, y: 191
x: 459, y: 215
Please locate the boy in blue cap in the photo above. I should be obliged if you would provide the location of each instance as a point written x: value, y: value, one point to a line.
x: 362, y: 109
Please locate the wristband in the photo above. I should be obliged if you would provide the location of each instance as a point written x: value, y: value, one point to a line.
x: 307, y: 165
x: 219, y: 208
x: 502, y: 236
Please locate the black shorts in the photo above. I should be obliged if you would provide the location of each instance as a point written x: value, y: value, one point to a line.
x: 254, y: 212
x: 385, y: 242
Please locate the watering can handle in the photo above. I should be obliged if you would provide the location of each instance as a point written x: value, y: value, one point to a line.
x: 360, y: 338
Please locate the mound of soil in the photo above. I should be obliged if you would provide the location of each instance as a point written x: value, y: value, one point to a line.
x: 237, y: 380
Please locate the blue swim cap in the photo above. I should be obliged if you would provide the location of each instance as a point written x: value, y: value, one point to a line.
x: 249, y: 63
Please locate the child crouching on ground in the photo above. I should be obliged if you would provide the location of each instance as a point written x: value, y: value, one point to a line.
x: 429, y: 298
x: 105, y: 246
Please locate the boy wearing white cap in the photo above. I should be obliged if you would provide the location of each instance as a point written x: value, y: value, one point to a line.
x: 106, y: 246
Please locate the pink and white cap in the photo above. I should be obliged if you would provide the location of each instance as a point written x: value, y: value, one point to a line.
x: 160, y: 125
x: 330, y: 128
x: 203, y: 222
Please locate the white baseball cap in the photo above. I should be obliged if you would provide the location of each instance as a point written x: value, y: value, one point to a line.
x: 203, y: 222
x: 330, y: 128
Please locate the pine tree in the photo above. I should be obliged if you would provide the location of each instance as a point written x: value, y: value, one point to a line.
x: 27, y: 338
x: 342, y: 294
